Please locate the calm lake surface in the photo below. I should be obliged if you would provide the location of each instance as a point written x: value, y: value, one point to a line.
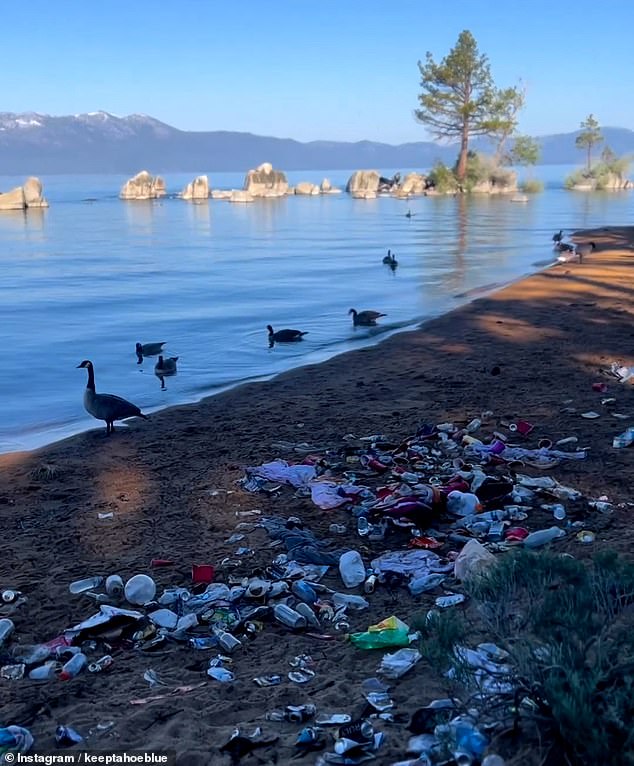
x: 92, y: 275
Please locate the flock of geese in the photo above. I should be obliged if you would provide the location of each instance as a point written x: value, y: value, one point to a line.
x: 110, y: 408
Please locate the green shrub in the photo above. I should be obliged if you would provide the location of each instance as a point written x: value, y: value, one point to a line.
x: 443, y: 178
x: 569, y: 630
x: 532, y: 186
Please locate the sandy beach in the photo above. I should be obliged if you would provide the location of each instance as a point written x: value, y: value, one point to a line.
x: 171, y: 485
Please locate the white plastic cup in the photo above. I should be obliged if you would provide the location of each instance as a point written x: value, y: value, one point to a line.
x: 140, y: 589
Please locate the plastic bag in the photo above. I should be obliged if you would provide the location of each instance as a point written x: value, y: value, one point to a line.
x: 472, y: 560
x: 388, y: 632
x: 397, y: 664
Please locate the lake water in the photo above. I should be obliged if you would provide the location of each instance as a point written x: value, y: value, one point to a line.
x: 92, y: 275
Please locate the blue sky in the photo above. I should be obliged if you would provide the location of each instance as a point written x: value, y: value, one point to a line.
x: 324, y: 69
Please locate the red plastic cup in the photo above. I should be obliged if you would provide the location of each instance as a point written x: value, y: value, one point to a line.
x: 161, y: 563
x: 203, y: 573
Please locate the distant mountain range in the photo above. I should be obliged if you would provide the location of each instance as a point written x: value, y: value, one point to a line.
x: 99, y: 142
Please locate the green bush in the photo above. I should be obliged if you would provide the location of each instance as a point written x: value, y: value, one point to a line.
x: 443, y: 178
x: 532, y: 186
x: 569, y: 630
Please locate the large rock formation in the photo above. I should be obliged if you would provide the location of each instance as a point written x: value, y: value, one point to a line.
x: 197, y: 189
x: 500, y: 181
x: 265, y: 182
x: 13, y: 200
x: 23, y: 197
x: 240, y: 195
x: 327, y: 188
x: 306, y: 188
x: 33, y: 193
x: 608, y: 182
x: 414, y: 183
x: 143, y: 186
x: 363, y: 184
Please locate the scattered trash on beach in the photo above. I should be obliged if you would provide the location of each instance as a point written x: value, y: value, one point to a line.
x: 425, y: 516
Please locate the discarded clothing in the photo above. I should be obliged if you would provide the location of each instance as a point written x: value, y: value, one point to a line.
x: 301, y: 544
x: 280, y: 470
x: 416, y: 563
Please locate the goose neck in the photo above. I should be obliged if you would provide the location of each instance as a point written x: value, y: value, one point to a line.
x: 91, y: 379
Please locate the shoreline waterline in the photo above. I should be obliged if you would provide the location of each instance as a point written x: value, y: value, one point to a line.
x: 385, y: 334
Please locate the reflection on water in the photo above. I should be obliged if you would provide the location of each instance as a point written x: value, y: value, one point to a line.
x: 139, y: 214
x: 86, y: 281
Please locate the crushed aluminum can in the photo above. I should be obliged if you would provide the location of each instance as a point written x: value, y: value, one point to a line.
x: 103, y: 664
x: 268, y: 680
x: 452, y: 599
x: 12, y: 672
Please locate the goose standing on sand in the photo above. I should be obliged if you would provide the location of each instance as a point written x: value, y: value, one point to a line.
x: 148, y: 349
x: 164, y: 368
x: 564, y: 247
x: 558, y: 237
x: 284, y: 336
x: 106, y: 407
x: 366, y: 318
x: 584, y: 249
x: 390, y: 260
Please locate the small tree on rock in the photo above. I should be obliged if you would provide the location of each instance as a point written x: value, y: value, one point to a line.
x: 589, y: 136
x: 459, y: 99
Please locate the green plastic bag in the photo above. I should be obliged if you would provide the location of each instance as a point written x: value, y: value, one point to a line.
x: 389, y: 632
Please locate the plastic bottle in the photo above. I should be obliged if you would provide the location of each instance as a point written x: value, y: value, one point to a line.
x: 425, y: 583
x: 306, y: 611
x: 227, y: 642
x: 352, y: 569
x: 88, y: 583
x: 6, y: 629
x: 363, y: 526
x: 303, y: 591
x: 349, y: 601
x: 32, y: 654
x: 288, y: 616
x: 473, y: 425
x: 9, y: 596
x: 114, y: 587
x: 140, y: 589
x: 543, y: 537
x: 73, y: 667
x: 45, y: 672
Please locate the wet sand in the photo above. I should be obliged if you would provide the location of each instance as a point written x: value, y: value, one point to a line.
x: 170, y: 484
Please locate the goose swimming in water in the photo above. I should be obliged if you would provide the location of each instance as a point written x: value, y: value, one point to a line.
x: 365, y: 317
x: 284, y: 336
x: 148, y: 349
x: 390, y: 260
x: 106, y: 407
x: 558, y: 236
x: 164, y: 368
